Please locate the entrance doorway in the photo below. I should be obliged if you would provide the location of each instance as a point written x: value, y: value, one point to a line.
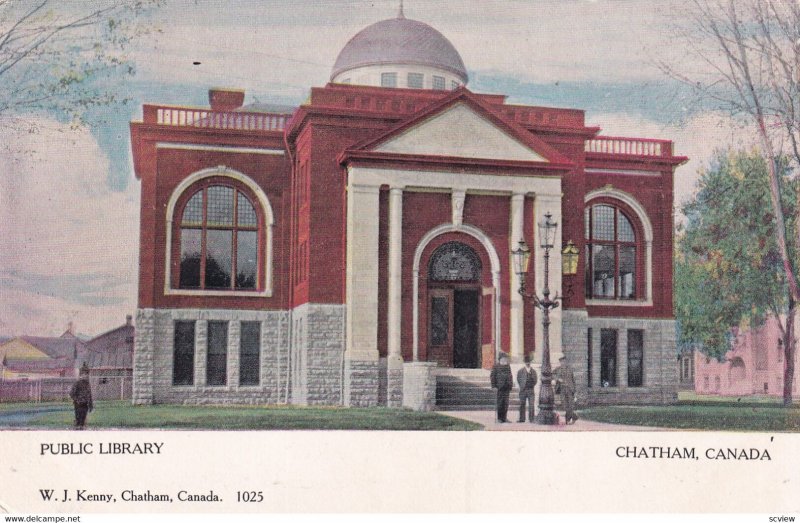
x: 454, y: 310
x: 466, y: 335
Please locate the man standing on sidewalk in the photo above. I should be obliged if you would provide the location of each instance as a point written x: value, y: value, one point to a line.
x: 503, y: 381
x: 565, y: 382
x: 526, y: 377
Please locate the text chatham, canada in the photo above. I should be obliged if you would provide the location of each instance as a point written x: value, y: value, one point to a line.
x: 81, y: 495
x: 67, y: 449
x: 713, y: 453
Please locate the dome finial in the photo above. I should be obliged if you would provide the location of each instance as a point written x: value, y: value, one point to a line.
x: 401, y: 14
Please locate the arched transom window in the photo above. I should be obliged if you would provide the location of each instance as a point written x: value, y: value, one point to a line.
x: 454, y: 261
x: 612, y: 254
x: 219, y: 235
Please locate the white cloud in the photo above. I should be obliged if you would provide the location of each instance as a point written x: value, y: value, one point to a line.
x: 70, y: 244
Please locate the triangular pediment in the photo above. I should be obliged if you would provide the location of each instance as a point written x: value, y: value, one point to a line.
x: 460, y: 131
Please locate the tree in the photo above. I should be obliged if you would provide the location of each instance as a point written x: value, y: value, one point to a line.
x: 750, y: 53
x: 64, y: 57
x: 728, y: 268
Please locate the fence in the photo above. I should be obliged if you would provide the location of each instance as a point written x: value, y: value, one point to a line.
x: 57, y: 389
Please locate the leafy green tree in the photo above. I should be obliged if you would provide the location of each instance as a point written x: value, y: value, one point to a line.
x: 65, y: 57
x: 729, y: 269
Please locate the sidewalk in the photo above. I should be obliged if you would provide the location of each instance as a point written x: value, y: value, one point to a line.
x: 487, y: 419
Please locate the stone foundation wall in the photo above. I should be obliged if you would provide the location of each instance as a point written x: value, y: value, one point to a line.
x: 317, y: 354
x: 361, y: 382
x: 574, y: 328
x: 394, y: 394
x: 154, y: 351
x: 660, y: 372
x: 143, y: 356
x: 419, y: 386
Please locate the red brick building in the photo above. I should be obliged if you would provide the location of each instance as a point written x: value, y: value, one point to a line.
x: 755, y: 364
x: 346, y: 251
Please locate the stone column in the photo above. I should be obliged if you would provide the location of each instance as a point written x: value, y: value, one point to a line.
x: 361, y: 348
x: 517, y: 305
x: 394, y: 396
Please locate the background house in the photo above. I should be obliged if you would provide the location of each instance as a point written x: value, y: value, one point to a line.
x: 754, y: 365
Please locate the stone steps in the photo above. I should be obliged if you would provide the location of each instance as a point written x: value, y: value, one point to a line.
x: 468, y: 389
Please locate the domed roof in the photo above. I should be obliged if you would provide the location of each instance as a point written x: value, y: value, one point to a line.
x: 400, y: 41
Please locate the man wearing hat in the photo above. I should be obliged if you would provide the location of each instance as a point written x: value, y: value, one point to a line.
x: 81, y: 394
x: 565, y: 383
x: 502, y: 380
x: 526, y: 377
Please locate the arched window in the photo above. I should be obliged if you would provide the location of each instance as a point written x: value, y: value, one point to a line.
x: 219, y: 239
x: 454, y: 261
x: 612, y: 254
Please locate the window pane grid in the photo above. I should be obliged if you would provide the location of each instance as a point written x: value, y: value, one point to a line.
x: 611, y: 252
x: 250, y: 351
x: 193, y: 212
x: 388, y: 79
x: 219, y: 241
x: 603, y: 223
x: 246, y: 213
x: 217, y: 355
x: 183, y: 353
x: 220, y: 205
x: 625, y: 229
x: 635, y: 357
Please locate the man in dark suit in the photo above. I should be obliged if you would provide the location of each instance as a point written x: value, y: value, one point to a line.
x: 526, y: 377
x: 503, y: 381
x: 81, y: 395
x: 565, y: 383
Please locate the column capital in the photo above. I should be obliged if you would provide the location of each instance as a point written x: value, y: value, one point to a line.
x: 364, y: 188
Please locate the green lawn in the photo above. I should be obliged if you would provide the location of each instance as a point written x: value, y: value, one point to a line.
x: 122, y: 415
x: 696, y: 412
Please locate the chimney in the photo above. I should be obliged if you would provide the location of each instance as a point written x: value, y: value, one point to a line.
x: 128, y: 320
x: 225, y: 99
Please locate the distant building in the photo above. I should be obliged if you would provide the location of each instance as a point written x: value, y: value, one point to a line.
x: 754, y: 365
x: 110, y: 360
x: 36, y: 357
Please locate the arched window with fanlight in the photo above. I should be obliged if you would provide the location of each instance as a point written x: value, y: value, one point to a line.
x: 219, y: 226
x: 613, y: 254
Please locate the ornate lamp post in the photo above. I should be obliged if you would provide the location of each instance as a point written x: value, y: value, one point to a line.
x: 522, y: 254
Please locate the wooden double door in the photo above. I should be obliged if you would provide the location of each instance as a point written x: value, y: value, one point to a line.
x: 454, y: 316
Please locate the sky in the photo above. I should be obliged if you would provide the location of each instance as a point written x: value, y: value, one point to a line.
x: 69, y: 199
